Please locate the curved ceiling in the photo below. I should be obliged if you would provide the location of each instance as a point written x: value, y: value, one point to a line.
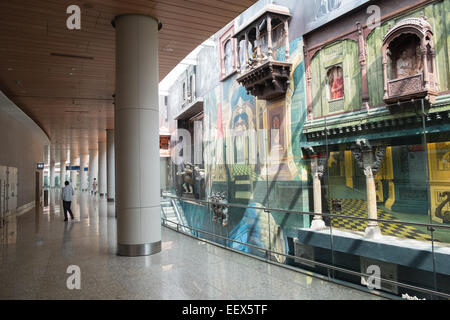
x: 64, y: 79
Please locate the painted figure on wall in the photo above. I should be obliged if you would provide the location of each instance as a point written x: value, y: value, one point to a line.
x: 241, y: 143
x: 336, y: 83
x: 276, y: 140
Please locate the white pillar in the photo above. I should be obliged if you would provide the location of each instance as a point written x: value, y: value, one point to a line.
x: 372, y: 230
x: 102, y: 179
x: 83, y: 174
x: 110, y: 165
x: 137, y: 136
x: 317, y: 223
x: 62, y: 168
x: 93, y: 167
x: 52, y: 173
x: 73, y: 173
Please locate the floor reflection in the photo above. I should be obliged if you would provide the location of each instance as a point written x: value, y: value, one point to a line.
x: 37, y: 248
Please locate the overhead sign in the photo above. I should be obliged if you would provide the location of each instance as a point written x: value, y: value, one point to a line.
x: 40, y: 165
x: 73, y: 168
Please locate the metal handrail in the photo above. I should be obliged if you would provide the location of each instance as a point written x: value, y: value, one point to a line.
x: 268, y: 252
x: 267, y: 209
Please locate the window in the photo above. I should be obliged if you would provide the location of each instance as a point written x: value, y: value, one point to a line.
x: 184, y: 93
x: 335, y: 78
x: 227, y: 47
x: 191, y: 88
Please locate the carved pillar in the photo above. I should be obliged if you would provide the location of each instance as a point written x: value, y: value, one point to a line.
x: 423, y: 52
x: 258, y: 45
x: 317, y: 169
x: 371, y: 201
x: 363, y: 63
x: 246, y: 50
x: 286, y: 38
x: 433, y: 72
x: 385, y: 59
x: 269, y: 37
x: 370, y: 163
x: 238, y: 62
x: 308, y: 86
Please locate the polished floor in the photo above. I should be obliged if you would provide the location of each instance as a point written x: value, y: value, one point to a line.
x: 37, y: 247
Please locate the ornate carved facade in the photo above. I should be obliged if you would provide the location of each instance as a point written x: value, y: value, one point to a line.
x: 264, y: 72
x: 408, y: 62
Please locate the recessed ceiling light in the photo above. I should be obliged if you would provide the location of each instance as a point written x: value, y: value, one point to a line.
x: 169, y: 49
x: 65, y: 55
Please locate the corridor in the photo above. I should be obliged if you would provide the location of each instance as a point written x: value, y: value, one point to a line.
x: 37, y: 248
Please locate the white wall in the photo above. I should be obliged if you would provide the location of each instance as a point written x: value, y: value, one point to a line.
x: 21, y: 146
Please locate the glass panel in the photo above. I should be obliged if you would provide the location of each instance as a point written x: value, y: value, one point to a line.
x: 415, y: 266
x: 438, y: 162
x: 246, y: 156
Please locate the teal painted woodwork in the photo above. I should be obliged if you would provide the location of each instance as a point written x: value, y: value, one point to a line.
x: 410, y: 177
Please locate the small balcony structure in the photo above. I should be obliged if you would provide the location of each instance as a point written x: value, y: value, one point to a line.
x: 408, y: 62
x: 262, y: 63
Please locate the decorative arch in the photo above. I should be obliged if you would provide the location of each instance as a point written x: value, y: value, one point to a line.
x: 408, y: 61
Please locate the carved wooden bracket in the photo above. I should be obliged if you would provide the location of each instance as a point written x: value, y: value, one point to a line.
x: 368, y: 158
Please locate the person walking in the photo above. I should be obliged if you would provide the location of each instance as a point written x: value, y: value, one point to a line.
x: 66, y: 196
x: 94, y: 187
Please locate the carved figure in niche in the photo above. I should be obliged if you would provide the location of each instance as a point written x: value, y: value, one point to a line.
x: 336, y: 83
x: 405, y: 64
x: 409, y: 62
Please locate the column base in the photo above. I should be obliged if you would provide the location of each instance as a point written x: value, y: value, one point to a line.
x: 372, y: 232
x: 318, y: 224
x: 136, y: 250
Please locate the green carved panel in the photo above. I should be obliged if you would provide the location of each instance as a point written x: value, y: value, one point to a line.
x: 316, y: 86
x: 446, y: 13
x: 375, y: 77
x: 439, y: 19
x: 344, y: 54
x: 353, y: 79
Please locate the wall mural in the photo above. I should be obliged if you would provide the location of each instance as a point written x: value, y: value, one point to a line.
x: 237, y: 145
x: 373, y: 162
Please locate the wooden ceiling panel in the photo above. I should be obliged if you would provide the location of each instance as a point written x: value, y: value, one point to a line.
x: 71, y: 97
